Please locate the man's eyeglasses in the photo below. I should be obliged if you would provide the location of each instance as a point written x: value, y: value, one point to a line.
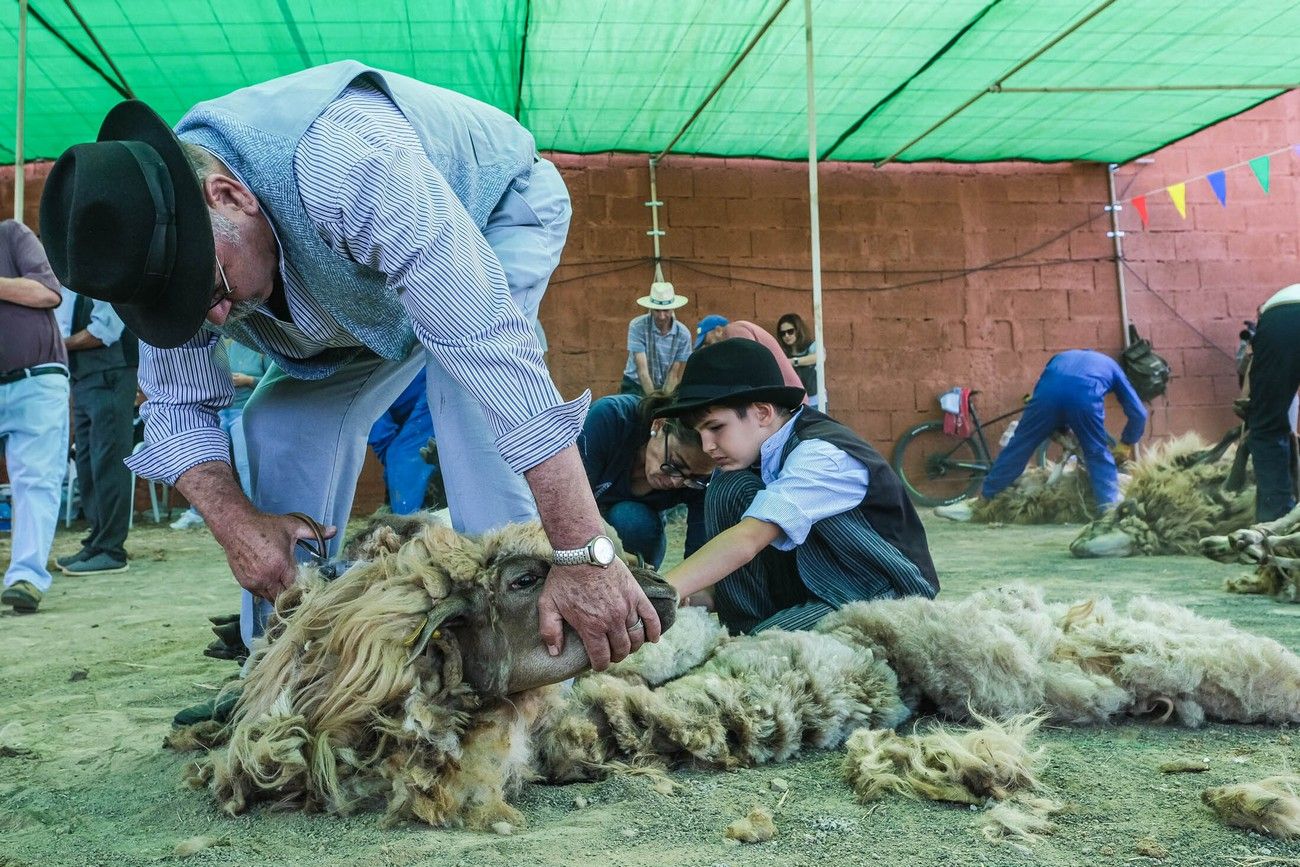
x: 674, y: 470
x: 219, y: 295
x: 784, y: 331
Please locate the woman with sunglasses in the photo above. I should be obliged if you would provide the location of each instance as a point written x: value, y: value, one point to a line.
x: 640, y: 467
x: 802, y: 351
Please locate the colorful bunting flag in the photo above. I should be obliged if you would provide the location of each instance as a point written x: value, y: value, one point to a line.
x: 1178, y: 193
x: 1140, y: 202
x: 1219, y: 183
x: 1259, y: 165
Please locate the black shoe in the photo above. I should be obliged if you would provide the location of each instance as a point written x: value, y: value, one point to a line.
x: 84, y: 554
x: 218, y: 709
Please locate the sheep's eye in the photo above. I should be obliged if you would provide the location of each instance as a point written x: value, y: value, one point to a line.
x: 526, y: 580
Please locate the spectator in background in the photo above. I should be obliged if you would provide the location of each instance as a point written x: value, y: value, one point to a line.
x: 657, y: 344
x: 397, y: 438
x: 33, y: 410
x: 247, y: 367
x: 1274, y: 378
x: 102, y: 358
x: 714, y: 329
x: 803, y: 352
x: 640, y: 468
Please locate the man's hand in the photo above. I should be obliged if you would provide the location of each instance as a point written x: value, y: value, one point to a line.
x: 600, y: 605
x: 1122, y: 452
x: 259, y: 548
x: 242, y: 380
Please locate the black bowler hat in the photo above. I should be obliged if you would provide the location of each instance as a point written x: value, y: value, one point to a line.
x: 123, y: 220
x: 731, y: 372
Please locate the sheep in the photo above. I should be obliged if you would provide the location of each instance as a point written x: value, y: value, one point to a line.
x: 1175, y: 497
x: 411, y: 681
x: 1274, y: 548
x: 1006, y: 651
x: 1056, y: 494
x: 754, y: 700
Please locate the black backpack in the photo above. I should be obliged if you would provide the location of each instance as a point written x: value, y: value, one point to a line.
x: 1147, y: 371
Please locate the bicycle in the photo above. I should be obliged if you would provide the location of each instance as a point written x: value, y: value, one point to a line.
x: 937, y: 468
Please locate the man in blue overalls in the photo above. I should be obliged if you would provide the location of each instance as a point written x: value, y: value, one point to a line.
x: 1070, y: 394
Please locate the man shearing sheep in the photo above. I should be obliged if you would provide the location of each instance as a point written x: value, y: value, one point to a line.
x: 354, y: 225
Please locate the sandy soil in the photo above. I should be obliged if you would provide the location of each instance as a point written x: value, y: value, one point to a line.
x: 90, y: 683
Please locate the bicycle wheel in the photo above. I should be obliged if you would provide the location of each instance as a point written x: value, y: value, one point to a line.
x: 935, y: 468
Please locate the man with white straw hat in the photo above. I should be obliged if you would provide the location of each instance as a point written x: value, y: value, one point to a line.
x: 657, y: 344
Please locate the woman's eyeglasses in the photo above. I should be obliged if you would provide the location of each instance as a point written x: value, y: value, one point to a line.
x: 785, y: 331
x: 674, y: 470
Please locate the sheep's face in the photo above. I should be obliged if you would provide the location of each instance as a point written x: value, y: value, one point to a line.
x: 501, y: 651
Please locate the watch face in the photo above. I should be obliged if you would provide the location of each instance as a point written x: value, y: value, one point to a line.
x: 602, y: 550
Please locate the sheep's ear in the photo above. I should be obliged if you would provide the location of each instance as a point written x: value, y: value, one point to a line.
x: 441, y: 613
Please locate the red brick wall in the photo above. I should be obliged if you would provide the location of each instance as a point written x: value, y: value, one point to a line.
x: 935, y: 275
x: 939, y: 275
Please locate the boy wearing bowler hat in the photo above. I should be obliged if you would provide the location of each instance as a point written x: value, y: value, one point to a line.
x: 805, y: 515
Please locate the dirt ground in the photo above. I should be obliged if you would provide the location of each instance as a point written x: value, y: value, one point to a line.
x: 90, y: 684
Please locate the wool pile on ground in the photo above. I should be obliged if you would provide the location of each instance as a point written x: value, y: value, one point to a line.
x: 1274, y: 548
x: 1171, y: 502
x: 1056, y: 494
x: 753, y: 700
x: 1270, y: 806
x: 356, y: 698
x: 1006, y: 651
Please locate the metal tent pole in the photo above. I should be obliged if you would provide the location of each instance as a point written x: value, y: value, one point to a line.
x: 22, y: 112
x: 1117, y: 236
x: 814, y: 219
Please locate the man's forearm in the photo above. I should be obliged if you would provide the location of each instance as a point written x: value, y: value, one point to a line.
x: 211, y: 488
x: 28, y: 292
x: 83, y: 339
x: 643, y: 373
x: 674, y: 376
x: 564, y: 501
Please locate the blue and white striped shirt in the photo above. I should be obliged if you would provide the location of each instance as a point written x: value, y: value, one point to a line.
x: 370, y: 190
x: 816, y: 481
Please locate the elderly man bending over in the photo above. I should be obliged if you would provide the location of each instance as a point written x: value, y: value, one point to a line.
x: 353, y: 225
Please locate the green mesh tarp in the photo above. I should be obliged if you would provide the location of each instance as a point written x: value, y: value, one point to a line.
x: 920, y: 80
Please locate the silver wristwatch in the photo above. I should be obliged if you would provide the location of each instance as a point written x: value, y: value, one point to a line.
x: 598, y: 552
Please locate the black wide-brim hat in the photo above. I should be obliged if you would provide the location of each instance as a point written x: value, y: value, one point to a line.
x: 731, y: 372
x: 123, y: 220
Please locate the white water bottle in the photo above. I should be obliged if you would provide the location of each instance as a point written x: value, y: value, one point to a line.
x: 1008, y: 433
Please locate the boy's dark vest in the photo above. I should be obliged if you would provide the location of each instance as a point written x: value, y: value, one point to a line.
x: 82, y: 363
x: 886, y: 507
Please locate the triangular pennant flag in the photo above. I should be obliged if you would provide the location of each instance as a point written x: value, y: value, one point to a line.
x: 1219, y: 183
x: 1140, y: 203
x: 1178, y: 193
x: 1259, y: 165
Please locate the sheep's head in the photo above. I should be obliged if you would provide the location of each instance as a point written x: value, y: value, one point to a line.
x: 501, y: 649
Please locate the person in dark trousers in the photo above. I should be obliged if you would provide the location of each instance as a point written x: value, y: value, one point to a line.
x: 102, y: 357
x: 1070, y: 394
x: 397, y: 438
x: 805, y: 516
x: 1274, y: 379
x: 33, y: 410
x: 639, y: 468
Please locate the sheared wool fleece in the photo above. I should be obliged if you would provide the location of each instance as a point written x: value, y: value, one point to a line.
x: 1006, y: 651
x: 1270, y: 806
x: 754, y: 700
x: 1169, y: 504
